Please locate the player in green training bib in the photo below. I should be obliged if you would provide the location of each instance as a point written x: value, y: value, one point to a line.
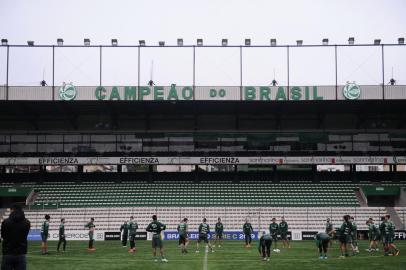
x: 283, y: 229
x: 345, y: 235
x: 124, y: 231
x: 91, y: 227
x: 322, y: 240
x: 44, y: 235
x: 132, y: 229
x: 219, y: 229
x: 274, y: 230
x: 62, y: 238
x: 354, y: 236
x: 264, y: 246
x: 389, y: 237
x: 373, y: 235
x: 204, y: 230
x: 183, y: 237
x: 247, y: 230
x: 156, y: 227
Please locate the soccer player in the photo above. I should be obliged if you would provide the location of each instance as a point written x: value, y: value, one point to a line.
x: 373, y: 235
x: 62, y: 238
x: 247, y: 230
x: 329, y: 230
x: 354, y: 237
x: 90, y: 225
x: 345, y: 235
x: 132, y: 229
x: 283, y: 229
x: 156, y: 227
x: 124, y: 230
x: 219, y: 229
x: 322, y: 240
x: 204, y: 230
x: 390, y: 247
x: 264, y: 246
x: 44, y: 235
x: 183, y: 238
x: 274, y: 230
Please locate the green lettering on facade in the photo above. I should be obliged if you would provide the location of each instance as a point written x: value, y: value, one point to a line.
x: 100, y: 93
x: 158, y: 93
x: 114, y: 95
x: 295, y: 93
x: 173, y: 94
x: 264, y: 93
x: 187, y: 93
x: 280, y: 94
x: 249, y: 93
x: 315, y: 95
x: 130, y: 92
x: 144, y: 91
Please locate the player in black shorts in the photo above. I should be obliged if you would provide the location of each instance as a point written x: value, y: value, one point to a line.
x: 204, y: 230
x: 183, y: 238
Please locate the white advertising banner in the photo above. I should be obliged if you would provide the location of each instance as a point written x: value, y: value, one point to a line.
x: 202, y: 160
x: 77, y: 235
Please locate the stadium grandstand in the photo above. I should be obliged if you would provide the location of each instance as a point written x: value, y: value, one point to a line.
x: 303, y: 152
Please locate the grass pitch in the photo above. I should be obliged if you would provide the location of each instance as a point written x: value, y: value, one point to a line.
x: 232, y: 255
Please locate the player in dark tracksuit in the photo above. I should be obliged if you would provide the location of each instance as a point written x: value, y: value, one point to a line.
x: 274, y: 230
x: 322, y: 240
x: 264, y: 247
x: 90, y: 225
x: 283, y: 229
x: 132, y: 229
x: 62, y: 238
x: 247, y: 230
x: 44, y: 235
x: 124, y: 230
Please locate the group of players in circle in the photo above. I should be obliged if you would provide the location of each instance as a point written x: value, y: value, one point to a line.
x: 346, y: 234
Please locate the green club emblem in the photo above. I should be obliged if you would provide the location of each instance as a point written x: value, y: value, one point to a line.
x: 351, y: 91
x: 67, y: 92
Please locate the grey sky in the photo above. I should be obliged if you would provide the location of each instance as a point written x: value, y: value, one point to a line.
x: 129, y: 21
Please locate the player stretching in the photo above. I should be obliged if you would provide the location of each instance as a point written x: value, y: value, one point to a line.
x: 62, y: 238
x: 274, y: 230
x: 247, y: 229
x: 264, y: 247
x: 132, y: 229
x: 91, y: 228
x: 373, y: 235
x: 183, y: 238
x: 124, y: 230
x: 283, y: 229
x: 354, y: 237
x: 322, y: 240
x: 390, y: 248
x: 44, y: 235
x: 219, y: 229
x: 156, y: 227
x: 345, y: 235
x: 204, y: 230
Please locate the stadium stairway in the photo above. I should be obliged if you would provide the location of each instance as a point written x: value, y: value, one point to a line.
x: 395, y: 217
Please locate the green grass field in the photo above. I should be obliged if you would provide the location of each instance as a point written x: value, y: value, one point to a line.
x: 232, y: 255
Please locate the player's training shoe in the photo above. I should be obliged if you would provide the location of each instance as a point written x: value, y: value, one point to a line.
x: 397, y: 252
x: 268, y: 259
x: 155, y: 260
x: 325, y: 257
x: 197, y: 251
x: 219, y: 246
x: 164, y: 260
